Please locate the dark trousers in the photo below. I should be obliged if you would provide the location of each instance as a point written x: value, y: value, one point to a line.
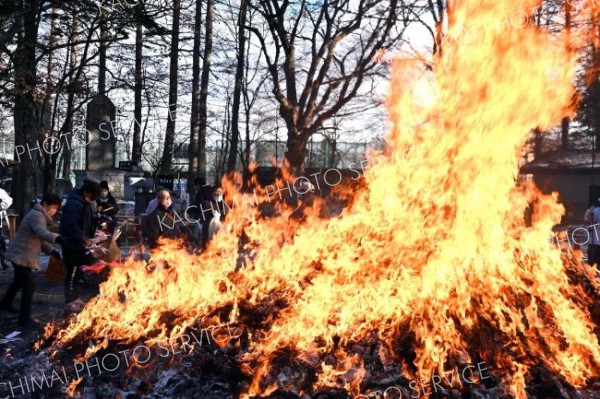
x: 204, y: 234
x: 72, y: 260
x: 2, y: 246
x: 23, y: 281
x: 594, y: 255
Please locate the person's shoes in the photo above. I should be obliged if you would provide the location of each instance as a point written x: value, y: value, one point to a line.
x: 9, y: 309
x: 75, y: 306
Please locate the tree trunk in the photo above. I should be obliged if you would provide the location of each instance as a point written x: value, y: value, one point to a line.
x: 564, y: 133
x: 208, y: 43
x: 67, y: 143
x: 169, y: 144
x: 48, y: 160
x: 102, y: 58
x: 225, y: 141
x: 136, y: 155
x: 438, y: 19
x: 296, y: 151
x: 237, y: 91
x: 25, y: 118
x: 566, y: 120
x: 68, y: 138
x: 246, y: 157
x: 193, y: 153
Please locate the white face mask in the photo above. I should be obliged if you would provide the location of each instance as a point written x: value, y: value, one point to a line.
x: 218, y: 198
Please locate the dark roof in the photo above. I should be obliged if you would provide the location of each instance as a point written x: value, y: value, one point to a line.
x: 564, y: 162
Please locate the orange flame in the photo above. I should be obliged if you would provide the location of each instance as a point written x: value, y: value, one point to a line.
x: 433, y: 249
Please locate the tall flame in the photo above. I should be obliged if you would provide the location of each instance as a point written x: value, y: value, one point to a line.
x: 433, y: 250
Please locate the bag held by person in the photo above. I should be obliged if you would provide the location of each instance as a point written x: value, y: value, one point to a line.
x: 56, y: 270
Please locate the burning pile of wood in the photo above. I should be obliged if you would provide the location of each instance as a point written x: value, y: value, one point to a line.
x: 430, y: 283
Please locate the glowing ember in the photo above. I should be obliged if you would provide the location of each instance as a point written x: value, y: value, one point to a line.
x: 405, y: 259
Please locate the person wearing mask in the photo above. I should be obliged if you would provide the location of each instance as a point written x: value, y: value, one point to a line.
x: 106, y: 203
x: 77, y: 229
x: 213, y: 212
x: 31, y: 237
x: 163, y: 222
x: 106, y: 209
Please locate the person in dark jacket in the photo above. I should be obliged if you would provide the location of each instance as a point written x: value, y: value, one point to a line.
x: 203, y: 191
x: 77, y: 229
x: 106, y: 208
x: 163, y: 222
x: 106, y: 203
x: 203, y: 194
x: 32, y: 237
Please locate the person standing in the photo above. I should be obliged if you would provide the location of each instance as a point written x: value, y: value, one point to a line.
x: 202, y: 195
x: 163, y: 222
x: 106, y: 208
x: 203, y: 191
x: 154, y: 201
x: 592, y: 216
x: 77, y: 229
x: 32, y: 237
x: 213, y: 211
x: 106, y: 203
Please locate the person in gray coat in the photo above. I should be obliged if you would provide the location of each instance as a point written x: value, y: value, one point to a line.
x: 24, y: 251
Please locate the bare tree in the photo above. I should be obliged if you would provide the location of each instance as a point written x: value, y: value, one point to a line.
x: 168, y: 149
x: 136, y: 155
x: 25, y: 118
x: 237, y: 92
x: 566, y: 121
x: 204, y: 81
x: 194, y: 153
x: 319, y: 55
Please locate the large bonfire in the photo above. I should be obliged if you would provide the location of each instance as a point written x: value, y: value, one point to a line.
x: 432, y: 258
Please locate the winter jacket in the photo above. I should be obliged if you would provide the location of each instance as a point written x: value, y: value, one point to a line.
x: 203, y: 196
x: 108, y: 203
x: 32, y: 237
x: 76, y: 223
